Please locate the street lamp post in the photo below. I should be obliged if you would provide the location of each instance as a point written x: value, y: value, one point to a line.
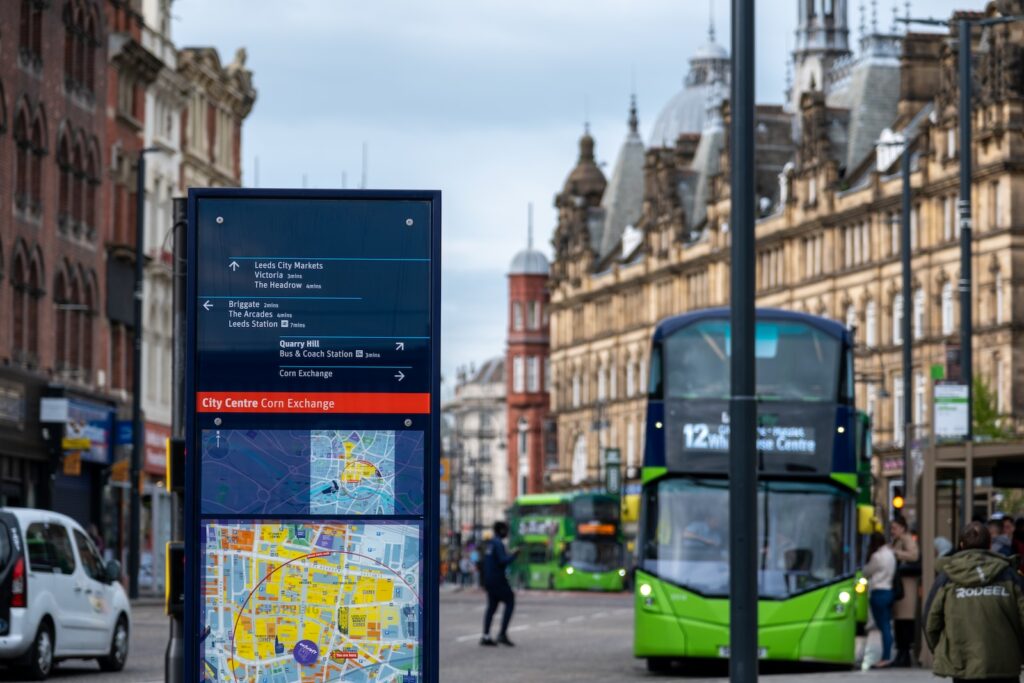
x: 138, y: 429
x: 743, y: 653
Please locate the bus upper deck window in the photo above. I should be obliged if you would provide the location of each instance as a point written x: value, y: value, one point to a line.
x: 654, y: 387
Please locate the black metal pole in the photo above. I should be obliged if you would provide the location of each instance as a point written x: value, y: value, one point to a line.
x: 138, y: 429
x: 908, y: 341
x: 743, y: 408
x: 966, y: 357
x: 174, y: 655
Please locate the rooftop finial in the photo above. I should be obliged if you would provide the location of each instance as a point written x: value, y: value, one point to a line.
x: 711, y: 21
x: 906, y: 27
x: 529, y: 226
x: 586, y: 115
x: 895, y: 16
x: 874, y: 16
x: 863, y: 26
x: 634, y: 123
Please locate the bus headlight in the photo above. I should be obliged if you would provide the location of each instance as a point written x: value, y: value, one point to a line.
x: 569, y: 570
x: 844, y: 597
x: 645, y: 589
x: 622, y: 572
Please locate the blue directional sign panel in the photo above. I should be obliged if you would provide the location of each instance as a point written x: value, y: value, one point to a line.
x: 313, y: 468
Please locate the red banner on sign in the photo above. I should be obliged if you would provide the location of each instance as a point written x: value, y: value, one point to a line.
x: 313, y: 402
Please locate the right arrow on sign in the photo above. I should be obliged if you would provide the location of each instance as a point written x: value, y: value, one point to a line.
x: 399, y: 376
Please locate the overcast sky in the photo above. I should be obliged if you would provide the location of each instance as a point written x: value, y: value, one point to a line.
x: 482, y: 99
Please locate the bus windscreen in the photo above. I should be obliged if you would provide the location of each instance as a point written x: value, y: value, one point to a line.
x: 795, y: 361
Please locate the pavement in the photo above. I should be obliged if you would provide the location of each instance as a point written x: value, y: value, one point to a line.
x: 559, y: 637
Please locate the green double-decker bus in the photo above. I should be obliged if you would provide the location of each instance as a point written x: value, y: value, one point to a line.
x: 568, y: 541
x: 806, y: 459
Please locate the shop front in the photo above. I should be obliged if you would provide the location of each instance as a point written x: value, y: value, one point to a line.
x: 24, y: 454
x: 157, y: 509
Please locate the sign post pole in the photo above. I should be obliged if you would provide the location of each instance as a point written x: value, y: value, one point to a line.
x: 313, y: 467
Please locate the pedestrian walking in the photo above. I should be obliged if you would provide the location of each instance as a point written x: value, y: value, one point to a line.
x: 975, y: 613
x: 880, y: 571
x: 465, y: 571
x: 904, y: 612
x: 999, y: 534
x: 496, y: 560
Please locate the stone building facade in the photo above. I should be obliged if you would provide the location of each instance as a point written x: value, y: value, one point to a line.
x: 828, y: 189
x: 219, y: 99
x: 478, y: 451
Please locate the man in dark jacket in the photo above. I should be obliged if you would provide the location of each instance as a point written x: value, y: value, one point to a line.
x: 975, y: 613
x: 495, y: 561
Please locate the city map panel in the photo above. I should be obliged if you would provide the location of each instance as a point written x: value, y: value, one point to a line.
x: 325, y: 472
x: 288, y: 602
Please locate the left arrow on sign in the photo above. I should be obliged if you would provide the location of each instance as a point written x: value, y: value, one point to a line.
x: 207, y: 305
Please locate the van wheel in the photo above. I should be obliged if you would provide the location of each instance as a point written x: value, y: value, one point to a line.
x: 38, y: 663
x: 118, y: 648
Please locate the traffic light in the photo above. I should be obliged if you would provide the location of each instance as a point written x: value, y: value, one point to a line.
x: 174, y: 581
x: 897, y: 499
x: 176, y: 465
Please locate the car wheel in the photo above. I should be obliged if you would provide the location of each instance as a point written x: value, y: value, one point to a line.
x: 39, y: 659
x: 114, y: 661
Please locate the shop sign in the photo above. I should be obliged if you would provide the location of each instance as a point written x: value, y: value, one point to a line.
x: 12, y: 403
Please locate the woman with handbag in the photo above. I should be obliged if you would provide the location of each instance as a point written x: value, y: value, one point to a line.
x: 908, y: 556
x: 880, y: 571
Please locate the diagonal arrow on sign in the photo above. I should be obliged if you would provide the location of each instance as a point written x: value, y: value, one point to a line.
x: 399, y: 346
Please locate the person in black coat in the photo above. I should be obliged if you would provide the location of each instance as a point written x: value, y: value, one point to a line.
x: 495, y: 561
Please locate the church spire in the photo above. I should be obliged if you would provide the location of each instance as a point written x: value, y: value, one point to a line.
x: 634, y: 122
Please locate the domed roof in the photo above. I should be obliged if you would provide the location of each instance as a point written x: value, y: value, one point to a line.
x: 529, y: 261
x: 686, y: 112
x: 586, y: 178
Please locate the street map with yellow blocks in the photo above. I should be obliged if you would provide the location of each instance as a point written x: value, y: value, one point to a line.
x: 287, y: 602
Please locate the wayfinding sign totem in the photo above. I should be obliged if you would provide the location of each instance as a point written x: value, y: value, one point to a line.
x: 313, y: 466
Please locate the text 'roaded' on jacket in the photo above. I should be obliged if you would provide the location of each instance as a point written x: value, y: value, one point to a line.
x: 975, y: 616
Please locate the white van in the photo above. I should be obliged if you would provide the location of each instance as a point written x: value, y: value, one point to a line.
x: 58, y: 599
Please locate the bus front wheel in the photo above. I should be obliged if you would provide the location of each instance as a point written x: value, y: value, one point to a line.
x: 659, y: 665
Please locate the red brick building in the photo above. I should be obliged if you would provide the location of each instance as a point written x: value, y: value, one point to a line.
x: 527, y: 376
x: 53, y: 86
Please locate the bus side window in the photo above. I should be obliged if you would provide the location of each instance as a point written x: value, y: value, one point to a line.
x: 654, y: 386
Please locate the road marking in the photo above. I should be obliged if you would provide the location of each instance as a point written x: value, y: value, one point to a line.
x: 599, y: 615
x: 463, y: 639
x: 520, y: 628
x: 545, y: 624
x: 574, y: 620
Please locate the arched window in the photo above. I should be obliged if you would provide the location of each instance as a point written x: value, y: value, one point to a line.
x: 579, y: 460
x: 91, y: 42
x: 35, y: 291
x: 31, y: 31
x: 21, y: 160
x: 19, y: 279
x: 78, y: 184
x: 999, y: 294
x: 38, y: 150
x: 89, y: 312
x: 60, y: 308
x: 897, y: 319
x: 918, y: 319
x: 74, y: 349
x: 92, y: 184
x: 871, y: 324
x: 64, y: 179
x: 947, y: 308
